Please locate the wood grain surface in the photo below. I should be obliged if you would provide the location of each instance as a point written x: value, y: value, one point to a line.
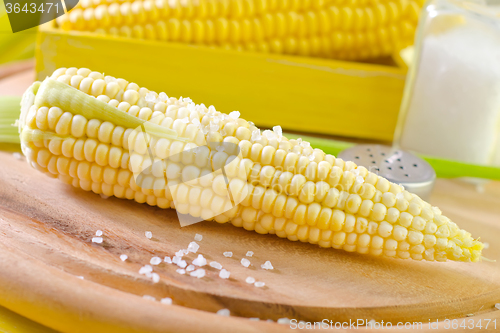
x: 16, y: 77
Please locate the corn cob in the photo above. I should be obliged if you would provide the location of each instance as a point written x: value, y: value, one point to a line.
x: 220, y: 167
x: 324, y: 28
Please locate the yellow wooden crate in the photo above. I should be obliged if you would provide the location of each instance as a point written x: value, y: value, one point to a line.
x: 299, y: 93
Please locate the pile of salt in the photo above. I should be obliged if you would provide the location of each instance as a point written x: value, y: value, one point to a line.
x: 454, y: 106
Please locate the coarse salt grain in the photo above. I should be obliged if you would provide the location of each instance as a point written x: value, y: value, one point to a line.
x: 150, y: 298
x: 228, y: 254
x: 181, y: 271
x: 145, y: 269
x: 224, y: 274
x: 150, y: 97
x: 155, y: 261
x: 250, y: 280
x: 224, y: 312
x: 497, y: 306
x: 486, y: 245
x: 182, y: 264
x: 200, y: 261
x: 215, y: 265
x: 198, y: 237
x: 193, y: 247
x: 97, y: 240
x: 17, y: 156
x: 155, y: 277
x: 278, y: 131
x: 148, y: 234
x: 176, y: 259
x: 259, y: 284
x: 167, y: 260
x: 269, y: 134
x: 166, y: 300
x: 254, y: 319
x: 245, y: 262
x: 190, y: 268
x: 81, y: 277
x: 283, y: 321
x: 256, y: 135
x: 179, y: 253
x: 123, y: 257
x: 199, y: 273
x: 249, y: 253
x: 267, y: 265
x: 98, y: 233
x: 103, y: 196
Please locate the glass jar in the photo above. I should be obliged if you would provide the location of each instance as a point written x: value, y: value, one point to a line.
x: 451, y: 106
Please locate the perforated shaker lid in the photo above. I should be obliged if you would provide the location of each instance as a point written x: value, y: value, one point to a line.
x: 398, y: 166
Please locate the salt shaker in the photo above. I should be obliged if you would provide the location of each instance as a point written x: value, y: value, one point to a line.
x: 451, y: 107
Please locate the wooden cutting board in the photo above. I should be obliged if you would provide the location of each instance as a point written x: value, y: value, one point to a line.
x: 46, y: 229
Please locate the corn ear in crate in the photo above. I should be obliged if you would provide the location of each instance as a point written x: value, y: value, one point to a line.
x: 113, y: 137
x: 324, y: 28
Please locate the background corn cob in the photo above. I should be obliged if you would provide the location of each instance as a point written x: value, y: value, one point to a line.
x: 270, y: 184
x: 341, y: 29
